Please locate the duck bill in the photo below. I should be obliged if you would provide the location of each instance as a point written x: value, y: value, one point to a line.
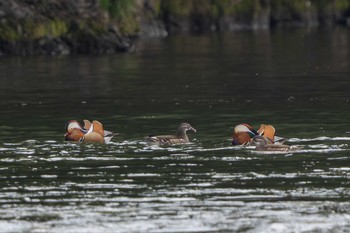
x: 67, y: 137
x: 234, y: 142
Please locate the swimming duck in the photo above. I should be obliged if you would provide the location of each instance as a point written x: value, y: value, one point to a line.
x: 264, y: 144
x: 243, y: 134
x: 90, y: 132
x: 166, y: 140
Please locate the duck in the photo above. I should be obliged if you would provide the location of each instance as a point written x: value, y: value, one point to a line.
x: 167, y: 140
x: 90, y: 132
x: 243, y: 134
x: 262, y: 143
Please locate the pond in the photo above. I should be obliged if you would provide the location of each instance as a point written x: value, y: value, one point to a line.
x: 295, y: 79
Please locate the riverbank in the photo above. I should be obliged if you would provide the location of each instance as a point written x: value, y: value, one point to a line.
x: 56, y: 27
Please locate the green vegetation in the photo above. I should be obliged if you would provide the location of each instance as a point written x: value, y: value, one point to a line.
x: 90, y: 27
x: 123, y: 11
x: 72, y: 20
x: 54, y: 28
x: 342, y: 5
x: 176, y: 7
x: 8, y: 33
x: 118, y: 8
x: 127, y: 15
x: 30, y: 30
x: 247, y: 9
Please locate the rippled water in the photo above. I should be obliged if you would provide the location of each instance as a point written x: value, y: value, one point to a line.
x: 296, y: 80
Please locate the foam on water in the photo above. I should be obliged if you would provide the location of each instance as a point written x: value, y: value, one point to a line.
x: 319, y: 139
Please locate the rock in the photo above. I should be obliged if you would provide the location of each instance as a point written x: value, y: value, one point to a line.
x: 82, y: 26
x: 58, y: 27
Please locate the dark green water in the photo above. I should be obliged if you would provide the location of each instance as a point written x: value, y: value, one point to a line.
x: 296, y: 80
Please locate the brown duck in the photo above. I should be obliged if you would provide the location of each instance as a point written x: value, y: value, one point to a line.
x: 166, y: 140
x: 264, y: 144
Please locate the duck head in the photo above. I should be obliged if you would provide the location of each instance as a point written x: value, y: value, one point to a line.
x: 74, y: 124
x: 260, y: 142
x: 243, y: 134
x: 74, y: 131
x: 184, y: 127
x: 74, y: 135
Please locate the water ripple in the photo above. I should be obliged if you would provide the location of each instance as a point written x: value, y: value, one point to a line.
x: 47, y: 186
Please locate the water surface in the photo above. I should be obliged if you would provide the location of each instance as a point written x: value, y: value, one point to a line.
x: 296, y: 80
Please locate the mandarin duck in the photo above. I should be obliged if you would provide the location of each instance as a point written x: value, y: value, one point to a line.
x: 166, y: 140
x: 243, y: 134
x: 90, y: 132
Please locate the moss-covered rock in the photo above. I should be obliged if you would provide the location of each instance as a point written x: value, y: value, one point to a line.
x: 100, y: 26
x: 58, y: 27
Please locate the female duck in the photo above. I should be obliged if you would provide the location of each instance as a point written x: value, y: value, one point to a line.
x: 166, y: 140
x: 264, y: 144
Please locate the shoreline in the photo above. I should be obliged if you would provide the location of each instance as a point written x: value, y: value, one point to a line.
x: 65, y: 27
